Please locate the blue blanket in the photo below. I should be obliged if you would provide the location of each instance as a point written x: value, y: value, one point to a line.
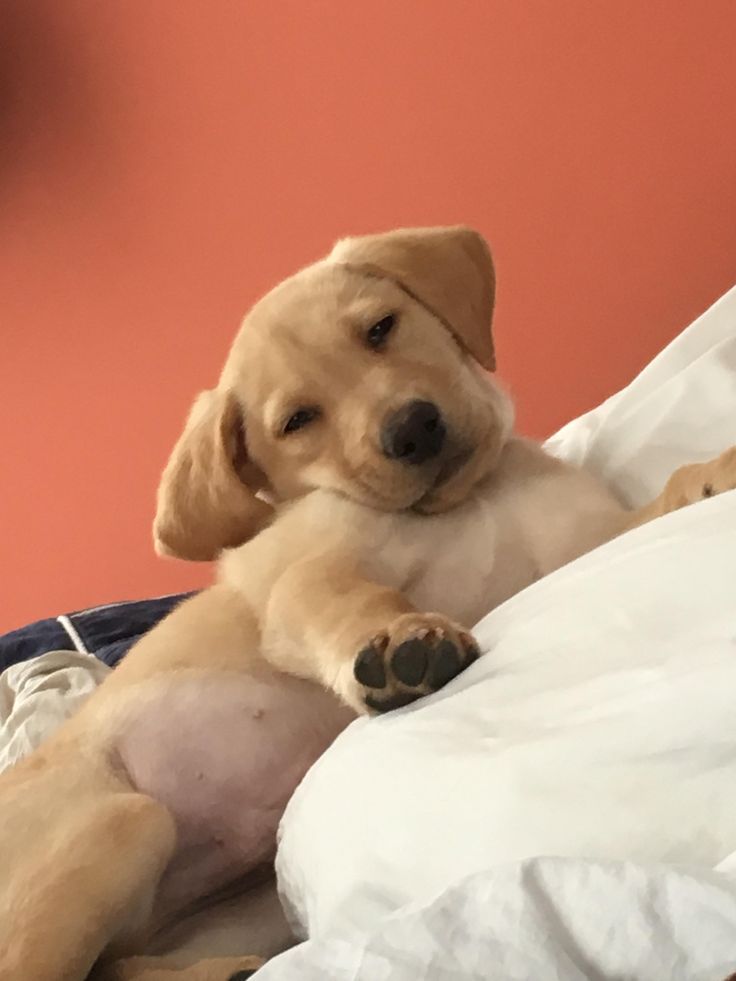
x: 107, y: 631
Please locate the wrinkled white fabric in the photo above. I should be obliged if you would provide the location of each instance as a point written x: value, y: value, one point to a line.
x: 542, y: 920
x: 36, y: 696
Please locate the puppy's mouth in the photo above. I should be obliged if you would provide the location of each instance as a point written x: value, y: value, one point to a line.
x: 374, y: 491
x: 449, y: 468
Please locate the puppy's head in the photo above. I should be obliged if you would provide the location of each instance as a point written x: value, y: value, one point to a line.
x: 363, y: 374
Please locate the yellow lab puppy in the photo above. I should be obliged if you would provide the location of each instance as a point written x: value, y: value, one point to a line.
x: 356, y: 470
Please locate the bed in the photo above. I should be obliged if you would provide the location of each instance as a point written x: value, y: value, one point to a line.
x: 564, y: 809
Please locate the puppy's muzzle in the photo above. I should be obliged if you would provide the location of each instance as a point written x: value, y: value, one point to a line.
x: 414, y: 433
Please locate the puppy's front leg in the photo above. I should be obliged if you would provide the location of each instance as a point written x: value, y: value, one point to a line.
x: 326, y: 621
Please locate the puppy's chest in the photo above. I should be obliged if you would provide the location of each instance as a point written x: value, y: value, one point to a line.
x: 464, y: 563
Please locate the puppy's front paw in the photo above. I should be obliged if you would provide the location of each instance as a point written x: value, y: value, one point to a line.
x: 418, y: 654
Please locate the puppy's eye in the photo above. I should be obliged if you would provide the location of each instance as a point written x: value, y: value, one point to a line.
x: 378, y: 333
x: 300, y: 419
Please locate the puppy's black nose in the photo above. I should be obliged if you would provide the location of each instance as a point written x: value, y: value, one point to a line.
x: 413, y: 434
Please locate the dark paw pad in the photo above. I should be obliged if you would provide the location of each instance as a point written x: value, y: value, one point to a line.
x: 410, y: 662
x: 369, y: 668
x: 422, y: 663
x: 447, y: 662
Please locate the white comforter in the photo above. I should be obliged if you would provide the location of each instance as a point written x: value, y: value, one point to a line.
x: 601, y: 726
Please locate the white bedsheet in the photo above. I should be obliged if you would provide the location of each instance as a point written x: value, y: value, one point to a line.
x: 600, y: 727
x: 542, y: 920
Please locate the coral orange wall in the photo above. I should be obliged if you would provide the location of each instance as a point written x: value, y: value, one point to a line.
x: 163, y: 163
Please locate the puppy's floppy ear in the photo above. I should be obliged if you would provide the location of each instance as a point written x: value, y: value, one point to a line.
x: 449, y: 270
x: 207, y: 495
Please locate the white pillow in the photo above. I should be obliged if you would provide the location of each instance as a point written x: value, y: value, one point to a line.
x: 601, y: 724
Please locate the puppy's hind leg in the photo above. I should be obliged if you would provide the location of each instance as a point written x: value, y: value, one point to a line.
x: 690, y: 484
x: 93, y: 886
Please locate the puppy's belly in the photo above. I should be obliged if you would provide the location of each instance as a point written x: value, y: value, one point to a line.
x: 224, y: 755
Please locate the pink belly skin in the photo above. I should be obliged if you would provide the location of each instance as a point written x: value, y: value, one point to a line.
x: 224, y: 755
